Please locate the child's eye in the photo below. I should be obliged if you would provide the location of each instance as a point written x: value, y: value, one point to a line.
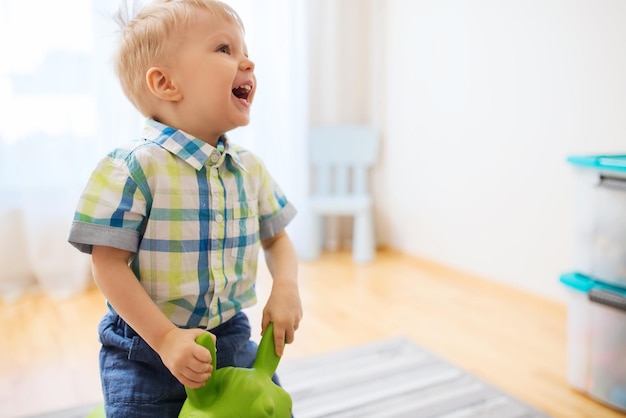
x: 224, y: 48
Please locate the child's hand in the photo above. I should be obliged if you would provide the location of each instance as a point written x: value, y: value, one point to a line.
x: 284, y: 310
x: 188, y: 361
x: 283, y: 307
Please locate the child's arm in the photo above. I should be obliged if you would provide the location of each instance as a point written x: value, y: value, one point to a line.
x: 283, y: 308
x: 189, y: 362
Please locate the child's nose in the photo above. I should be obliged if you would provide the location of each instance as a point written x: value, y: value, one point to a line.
x: 246, y: 65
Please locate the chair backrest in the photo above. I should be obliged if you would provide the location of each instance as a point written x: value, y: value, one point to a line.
x: 340, y: 156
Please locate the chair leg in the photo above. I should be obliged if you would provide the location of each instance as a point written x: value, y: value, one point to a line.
x: 363, y: 238
x: 315, y: 237
x: 330, y: 230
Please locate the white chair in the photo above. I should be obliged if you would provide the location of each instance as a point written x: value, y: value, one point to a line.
x: 341, y: 157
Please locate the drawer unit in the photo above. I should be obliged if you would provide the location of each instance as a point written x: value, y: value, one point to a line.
x: 596, y: 339
x: 600, y: 218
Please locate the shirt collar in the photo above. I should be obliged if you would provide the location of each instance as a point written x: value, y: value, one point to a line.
x: 194, y: 151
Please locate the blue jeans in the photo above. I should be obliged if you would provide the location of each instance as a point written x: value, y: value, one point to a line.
x: 136, y: 383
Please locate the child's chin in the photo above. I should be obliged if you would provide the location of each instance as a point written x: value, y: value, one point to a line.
x: 244, y: 121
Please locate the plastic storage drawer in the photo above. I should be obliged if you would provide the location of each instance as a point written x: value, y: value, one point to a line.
x: 597, y: 339
x: 600, y: 218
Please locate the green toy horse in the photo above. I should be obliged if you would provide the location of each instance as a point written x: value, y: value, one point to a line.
x: 236, y: 392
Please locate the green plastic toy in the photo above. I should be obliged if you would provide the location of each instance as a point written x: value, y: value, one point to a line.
x: 98, y: 412
x: 236, y: 392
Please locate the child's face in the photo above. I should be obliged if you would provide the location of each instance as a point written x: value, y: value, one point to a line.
x: 215, y: 77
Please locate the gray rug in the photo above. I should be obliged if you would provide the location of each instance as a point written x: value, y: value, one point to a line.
x: 387, y: 379
x: 392, y: 379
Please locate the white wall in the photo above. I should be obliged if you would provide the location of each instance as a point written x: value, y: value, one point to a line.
x: 481, y: 103
x: 485, y: 99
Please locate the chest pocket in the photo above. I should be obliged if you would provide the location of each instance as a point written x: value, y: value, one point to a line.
x: 243, y: 229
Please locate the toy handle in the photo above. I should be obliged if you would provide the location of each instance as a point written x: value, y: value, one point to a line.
x: 206, y: 341
x: 266, y: 358
x: 200, y: 395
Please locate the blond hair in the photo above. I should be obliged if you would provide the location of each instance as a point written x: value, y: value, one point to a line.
x: 144, y: 40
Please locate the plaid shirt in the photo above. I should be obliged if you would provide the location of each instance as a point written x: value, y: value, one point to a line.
x: 192, y: 215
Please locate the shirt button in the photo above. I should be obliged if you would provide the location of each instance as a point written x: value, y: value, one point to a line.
x: 219, y: 217
x: 214, y: 310
x: 215, y: 157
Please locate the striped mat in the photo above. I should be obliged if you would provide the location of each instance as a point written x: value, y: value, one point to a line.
x: 391, y: 378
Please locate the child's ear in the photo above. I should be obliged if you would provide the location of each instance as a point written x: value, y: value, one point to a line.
x: 161, y: 85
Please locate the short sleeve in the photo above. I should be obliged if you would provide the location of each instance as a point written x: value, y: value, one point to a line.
x: 111, y: 209
x: 275, y: 211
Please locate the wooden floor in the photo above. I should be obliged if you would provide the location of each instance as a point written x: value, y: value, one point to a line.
x: 516, y: 341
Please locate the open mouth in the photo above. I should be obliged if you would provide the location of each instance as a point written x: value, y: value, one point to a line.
x: 242, y: 92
